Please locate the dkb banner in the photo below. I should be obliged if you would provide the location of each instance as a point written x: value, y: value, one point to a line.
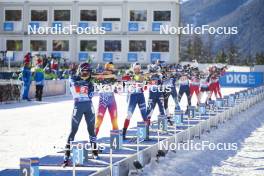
x: 241, y: 79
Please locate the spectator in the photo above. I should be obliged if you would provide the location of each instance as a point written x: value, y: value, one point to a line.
x: 26, y: 77
x: 39, y: 79
x: 49, y: 74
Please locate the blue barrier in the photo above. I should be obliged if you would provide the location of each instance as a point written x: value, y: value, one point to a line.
x: 242, y: 79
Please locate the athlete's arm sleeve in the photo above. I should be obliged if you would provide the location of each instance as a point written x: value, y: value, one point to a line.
x: 91, y: 90
x: 222, y: 72
x: 72, y: 84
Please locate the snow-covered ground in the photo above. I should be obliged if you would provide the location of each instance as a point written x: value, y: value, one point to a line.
x: 40, y: 128
x: 245, y: 129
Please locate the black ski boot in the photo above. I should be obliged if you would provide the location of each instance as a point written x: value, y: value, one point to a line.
x: 67, y: 160
x: 124, y: 133
x: 187, y: 111
x: 169, y: 120
x: 95, y: 151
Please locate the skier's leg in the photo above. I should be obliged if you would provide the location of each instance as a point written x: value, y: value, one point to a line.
x: 200, y: 96
x: 166, y: 100
x: 175, y: 98
x: 142, y: 106
x: 90, y: 122
x: 100, y: 114
x: 219, y: 89
x: 197, y: 91
x: 214, y: 89
x: 132, y: 101
x: 113, y: 113
x: 210, y: 91
x: 207, y: 94
x: 151, y: 104
x: 76, y: 119
x: 181, y: 91
x: 160, y: 100
x: 192, y: 90
x: 189, y: 98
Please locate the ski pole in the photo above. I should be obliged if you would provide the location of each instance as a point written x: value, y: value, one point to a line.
x: 73, y: 169
x: 111, y: 161
x: 189, y: 130
x: 138, y: 147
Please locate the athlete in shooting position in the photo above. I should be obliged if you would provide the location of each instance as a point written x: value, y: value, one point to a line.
x: 82, y: 88
x: 136, y: 96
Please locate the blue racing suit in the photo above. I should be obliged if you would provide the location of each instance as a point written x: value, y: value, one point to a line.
x: 184, y: 88
x: 171, y: 84
x: 82, y: 91
x: 155, y: 95
x: 136, y: 97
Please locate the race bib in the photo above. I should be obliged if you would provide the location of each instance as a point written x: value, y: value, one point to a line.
x: 82, y: 90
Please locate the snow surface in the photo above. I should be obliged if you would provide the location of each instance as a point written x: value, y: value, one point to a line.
x: 35, y: 129
x: 245, y: 129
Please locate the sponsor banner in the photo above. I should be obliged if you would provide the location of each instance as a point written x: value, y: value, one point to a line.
x: 241, y: 79
x: 8, y: 26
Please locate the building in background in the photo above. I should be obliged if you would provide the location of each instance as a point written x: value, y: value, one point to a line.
x: 132, y: 29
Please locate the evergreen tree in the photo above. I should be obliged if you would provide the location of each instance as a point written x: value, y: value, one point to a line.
x: 232, y: 53
x: 197, y: 49
x: 259, y: 58
x: 221, y: 57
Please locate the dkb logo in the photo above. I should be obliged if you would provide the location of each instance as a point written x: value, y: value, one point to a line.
x: 241, y: 79
x: 238, y: 79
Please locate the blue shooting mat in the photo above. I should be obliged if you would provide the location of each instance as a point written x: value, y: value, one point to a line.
x: 151, y: 133
x: 15, y: 172
x: 220, y: 110
x: 204, y: 117
x: 131, y: 140
x: 125, y: 150
x: 179, y: 127
x: 55, y: 160
x: 191, y: 121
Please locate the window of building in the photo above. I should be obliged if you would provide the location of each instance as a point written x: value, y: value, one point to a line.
x: 112, y: 46
x: 162, y: 15
x: 39, y: 15
x: 137, y: 45
x: 13, y: 15
x: 88, y: 15
x: 111, y: 13
x: 38, y: 45
x: 14, y: 45
x: 60, y: 45
x: 138, y: 15
x: 160, y: 46
x: 111, y: 19
x: 62, y: 15
x: 88, y: 45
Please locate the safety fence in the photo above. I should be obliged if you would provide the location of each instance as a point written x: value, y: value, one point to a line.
x: 11, y: 90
